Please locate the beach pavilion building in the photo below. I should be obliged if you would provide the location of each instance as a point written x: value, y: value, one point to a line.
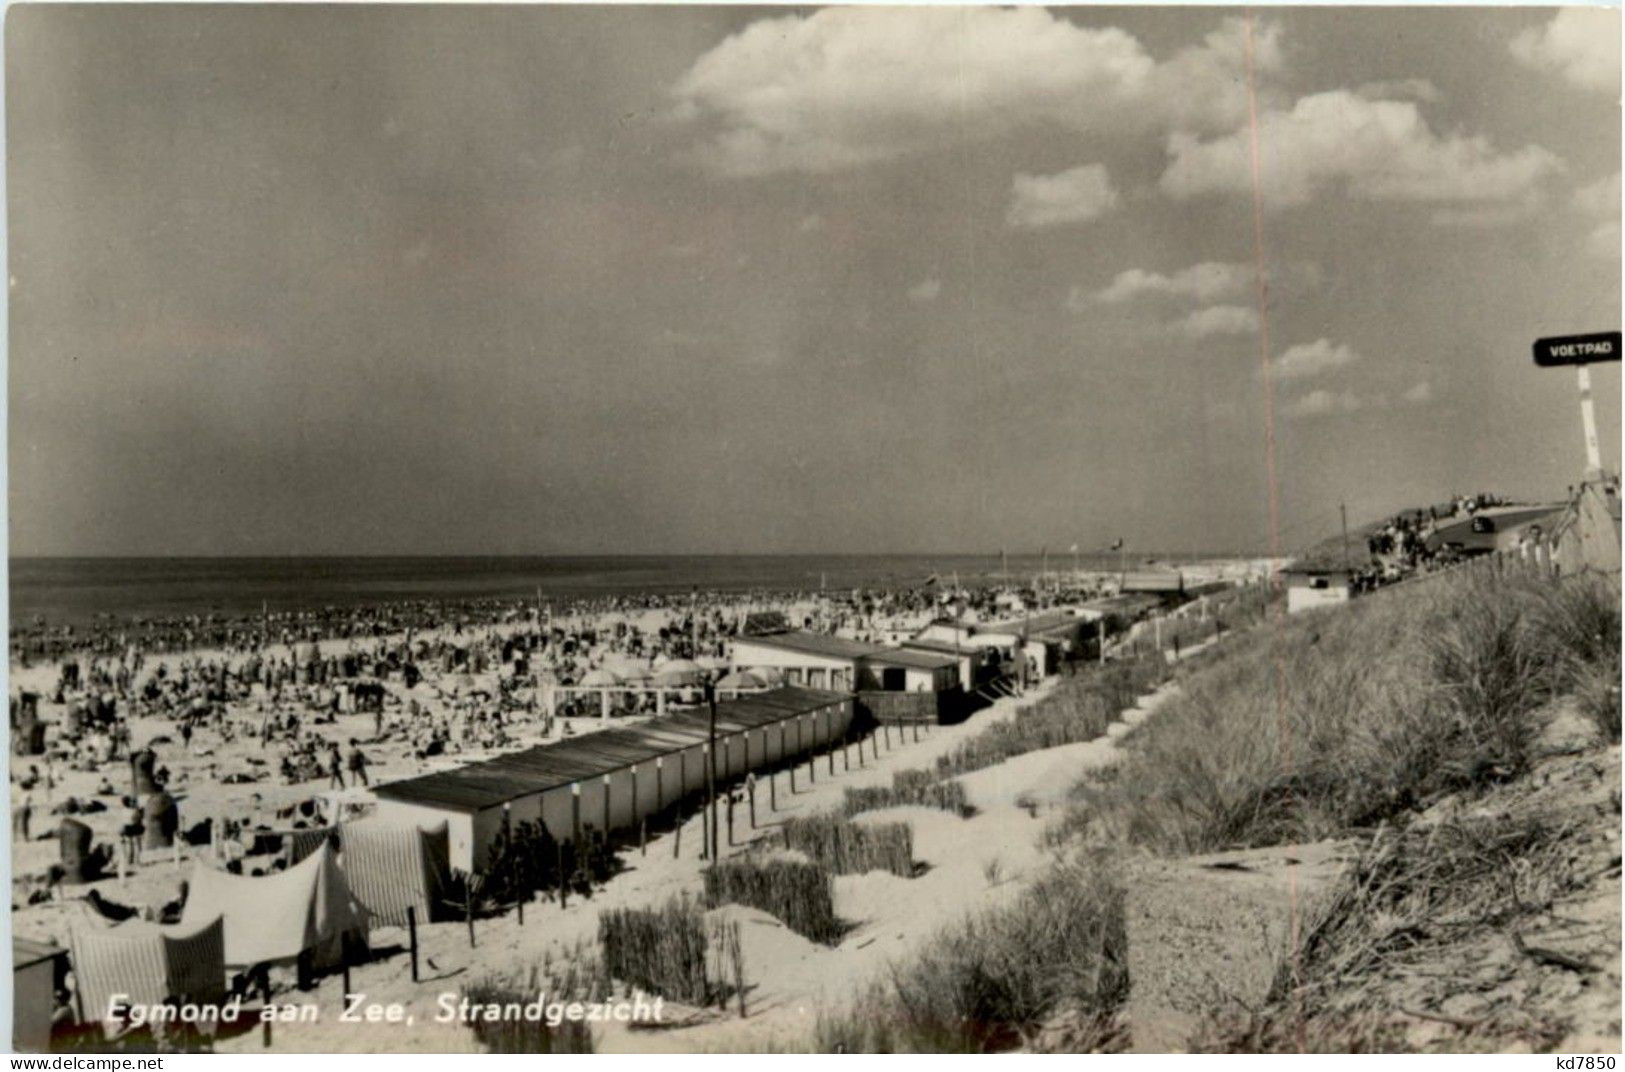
x: 822, y: 661
x: 613, y: 779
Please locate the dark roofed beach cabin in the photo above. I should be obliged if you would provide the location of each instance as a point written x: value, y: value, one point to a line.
x: 614, y: 778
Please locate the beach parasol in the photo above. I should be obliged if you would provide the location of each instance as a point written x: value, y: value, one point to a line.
x: 713, y: 662
x: 740, y: 681
x: 771, y: 678
x: 679, y: 672
x: 601, y: 678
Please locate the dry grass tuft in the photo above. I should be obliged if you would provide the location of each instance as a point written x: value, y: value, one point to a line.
x: 578, y: 977
x: 909, y: 787
x: 843, y: 847
x: 661, y: 950
x: 1412, y: 895
x: 1335, y: 720
x: 800, y: 895
x: 989, y: 983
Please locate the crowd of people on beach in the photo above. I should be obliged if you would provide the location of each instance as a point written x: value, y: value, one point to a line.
x: 337, y: 692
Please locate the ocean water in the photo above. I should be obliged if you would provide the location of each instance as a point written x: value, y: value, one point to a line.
x: 66, y: 590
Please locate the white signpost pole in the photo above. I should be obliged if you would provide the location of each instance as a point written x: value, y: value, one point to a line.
x: 1588, y: 418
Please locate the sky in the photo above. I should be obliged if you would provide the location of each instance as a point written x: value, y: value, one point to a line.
x: 426, y: 280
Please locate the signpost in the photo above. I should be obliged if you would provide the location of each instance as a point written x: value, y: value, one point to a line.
x: 1582, y: 351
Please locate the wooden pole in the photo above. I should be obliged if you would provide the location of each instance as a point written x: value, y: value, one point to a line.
x: 412, y: 937
x: 885, y: 727
x: 468, y: 913
x: 643, y: 837
x: 564, y: 881
x: 773, y: 790
x: 711, y: 756
x: 606, y: 807
x: 750, y: 792
x: 575, y: 816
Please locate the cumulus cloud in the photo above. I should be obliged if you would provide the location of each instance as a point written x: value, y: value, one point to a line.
x: 1419, y: 394
x: 1600, y: 198
x: 1600, y: 201
x: 1219, y: 320
x: 1321, y: 403
x: 1417, y: 89
x: 1372, y: 150
x: 847, y: 86
x: 1075, y: 196
x: 1604, y: 241
x: 1206, y: 282
x: 1312, y: 359
x: 1579, y: 43
x: 926, y: 290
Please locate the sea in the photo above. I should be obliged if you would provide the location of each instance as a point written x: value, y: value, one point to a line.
x: 77, y: 590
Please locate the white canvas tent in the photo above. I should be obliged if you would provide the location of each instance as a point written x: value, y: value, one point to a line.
x: 276, y: 918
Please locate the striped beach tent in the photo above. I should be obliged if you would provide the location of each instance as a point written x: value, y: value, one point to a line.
x: 394, y: 866
x: 299, y: 844
x: 148, y: 962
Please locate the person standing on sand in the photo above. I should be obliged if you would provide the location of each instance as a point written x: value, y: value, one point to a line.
x: 358, y: 765
x: 335, y: 766
x: 20, y: 817
x: 134, y: 826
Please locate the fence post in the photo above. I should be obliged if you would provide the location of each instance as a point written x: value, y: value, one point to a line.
x: 750, y: 791
x: 575, y: 815
x: 773, y: 790
x: 412, y: 937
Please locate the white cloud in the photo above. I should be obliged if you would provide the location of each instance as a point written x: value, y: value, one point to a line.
x: 1219, y: 320
x: 1321, y: 403
x: 1417, y: 89
x: 1206, y: 282
x: 1372, y: 150
x: 847, y: 86
x: 1483, y: 215
x: 1075, y: 196
x: 1419, y: 394
x: 1604, y: 241
x: 1312, y: 359
x: 1580, y: 43
x: 925, y: 291
x: 1600, y: 198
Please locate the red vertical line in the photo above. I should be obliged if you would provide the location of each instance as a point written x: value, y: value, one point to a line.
x: 1261, y: 271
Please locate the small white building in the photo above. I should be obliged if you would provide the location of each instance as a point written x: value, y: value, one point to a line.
x: 1312, y: 587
